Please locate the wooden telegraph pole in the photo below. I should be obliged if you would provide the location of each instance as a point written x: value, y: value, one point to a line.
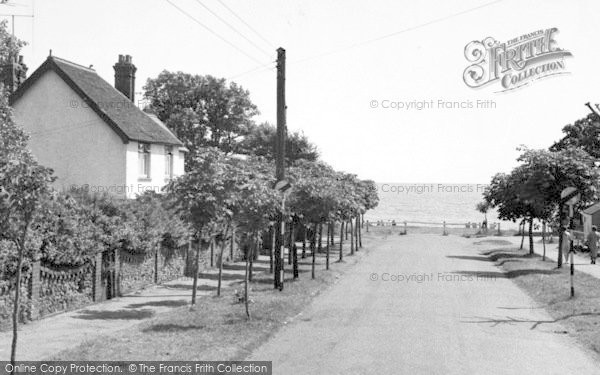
x: 280, y: 165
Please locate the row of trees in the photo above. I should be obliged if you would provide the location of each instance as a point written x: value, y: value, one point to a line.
x: 532, y: 190
x: 225, y: 196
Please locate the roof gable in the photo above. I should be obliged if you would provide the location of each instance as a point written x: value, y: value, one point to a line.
x: 127, y: 120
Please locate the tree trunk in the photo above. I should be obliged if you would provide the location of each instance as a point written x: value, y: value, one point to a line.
x: 332, y: 226
x: 561, y: 231
x: 522, y: 226
x: 356, y: 229
x: 544, y: 239
x: 313, y: 246
x: 223, y: 244
x: 304, y: 241
x: 290, y: 242
x: 246, y: 281
x: 13, y: 353
x: 360, y: 231
x: 196, y: 269
x: 272, y: 249
x: 231, y: 243
x: 212, y: 252
x: 329, y: 234
x: 347, y: 227
x: 531, y: 236
x: 294, y: 250
x: 156, y: 265
x: 351, y: 237
x: 341, y: 241
x: 320, y: 248
x: 251, y: 251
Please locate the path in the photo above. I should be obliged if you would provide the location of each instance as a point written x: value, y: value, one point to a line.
x: 40, y: 339
x: 437, y: 326
x: 582, y: 260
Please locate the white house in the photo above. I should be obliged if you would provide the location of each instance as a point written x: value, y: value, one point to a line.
x: 91, y: 133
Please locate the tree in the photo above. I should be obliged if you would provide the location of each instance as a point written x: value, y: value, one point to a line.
x: 532, y: 190
x: 557, y: 170
x: 23, y: 186
x: 261, y: 141
x: 584, y: 134
x: 202, y: 196
x: 203, y: 111
x: 255, y: 204
x: 483, y: 207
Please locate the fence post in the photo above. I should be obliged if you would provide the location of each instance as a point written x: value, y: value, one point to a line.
x: 405, y: 227
x: 445, y: 233
x: 97, y: 278
x: 34, y: 290
x: 499, y: 228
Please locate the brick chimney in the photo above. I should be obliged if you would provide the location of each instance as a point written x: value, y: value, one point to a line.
x: 13, y: 73
x: 125, y: 76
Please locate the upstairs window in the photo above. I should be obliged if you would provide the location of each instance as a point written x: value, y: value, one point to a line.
x: 168, y: 161
x: 144, y: 160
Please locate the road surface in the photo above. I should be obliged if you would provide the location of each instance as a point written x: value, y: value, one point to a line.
x: 451, y: 317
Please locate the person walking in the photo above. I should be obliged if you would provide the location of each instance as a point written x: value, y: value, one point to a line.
x: 592, y: 242
x: 566, y: 244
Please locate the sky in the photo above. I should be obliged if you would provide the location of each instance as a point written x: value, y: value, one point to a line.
x: 346, y: 61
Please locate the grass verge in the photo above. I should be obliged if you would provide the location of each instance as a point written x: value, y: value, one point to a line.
x: 217, y: 328
x: 550, y: 288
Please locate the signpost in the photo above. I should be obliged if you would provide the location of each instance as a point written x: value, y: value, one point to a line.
x: 569, y: 196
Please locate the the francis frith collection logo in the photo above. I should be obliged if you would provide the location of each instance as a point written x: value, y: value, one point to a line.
x: 515, y: 63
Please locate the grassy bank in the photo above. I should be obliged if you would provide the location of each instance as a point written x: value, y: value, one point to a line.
x: 217, y: 329
x: 550, y: 288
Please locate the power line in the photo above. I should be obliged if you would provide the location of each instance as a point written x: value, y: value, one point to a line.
x: 212, y: 32
x: 234, y: 29
x: 360, y: 44
x: 255, y: 69
x: 246, y: 23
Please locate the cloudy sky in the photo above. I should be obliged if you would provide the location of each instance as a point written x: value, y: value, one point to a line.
x: 347, y: 60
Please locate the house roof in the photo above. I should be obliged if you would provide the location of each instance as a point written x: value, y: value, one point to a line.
x: 126, y: 119
x: 592, y: 209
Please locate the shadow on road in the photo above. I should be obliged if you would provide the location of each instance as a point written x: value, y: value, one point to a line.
x: 508, y: 274
x: 172, y: 328
x: 214, y: 276
x: 136, y: 314
x: 163, y: 303
x: 535, y: 323
x: 469, y: 257
x: 190, y: 287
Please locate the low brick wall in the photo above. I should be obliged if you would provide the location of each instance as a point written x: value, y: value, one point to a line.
x: 138, y: 271
x: 63, y: 290
x: 47, y: 290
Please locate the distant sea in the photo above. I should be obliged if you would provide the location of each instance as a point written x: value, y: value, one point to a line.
x: 431, y: 202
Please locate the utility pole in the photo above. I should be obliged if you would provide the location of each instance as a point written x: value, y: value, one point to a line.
x: 280, y: 166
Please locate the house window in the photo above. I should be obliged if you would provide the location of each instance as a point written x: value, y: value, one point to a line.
x: 144, y: 160
x: 168, y: 161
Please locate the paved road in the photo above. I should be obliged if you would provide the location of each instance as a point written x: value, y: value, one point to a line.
x: 438, y: 326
